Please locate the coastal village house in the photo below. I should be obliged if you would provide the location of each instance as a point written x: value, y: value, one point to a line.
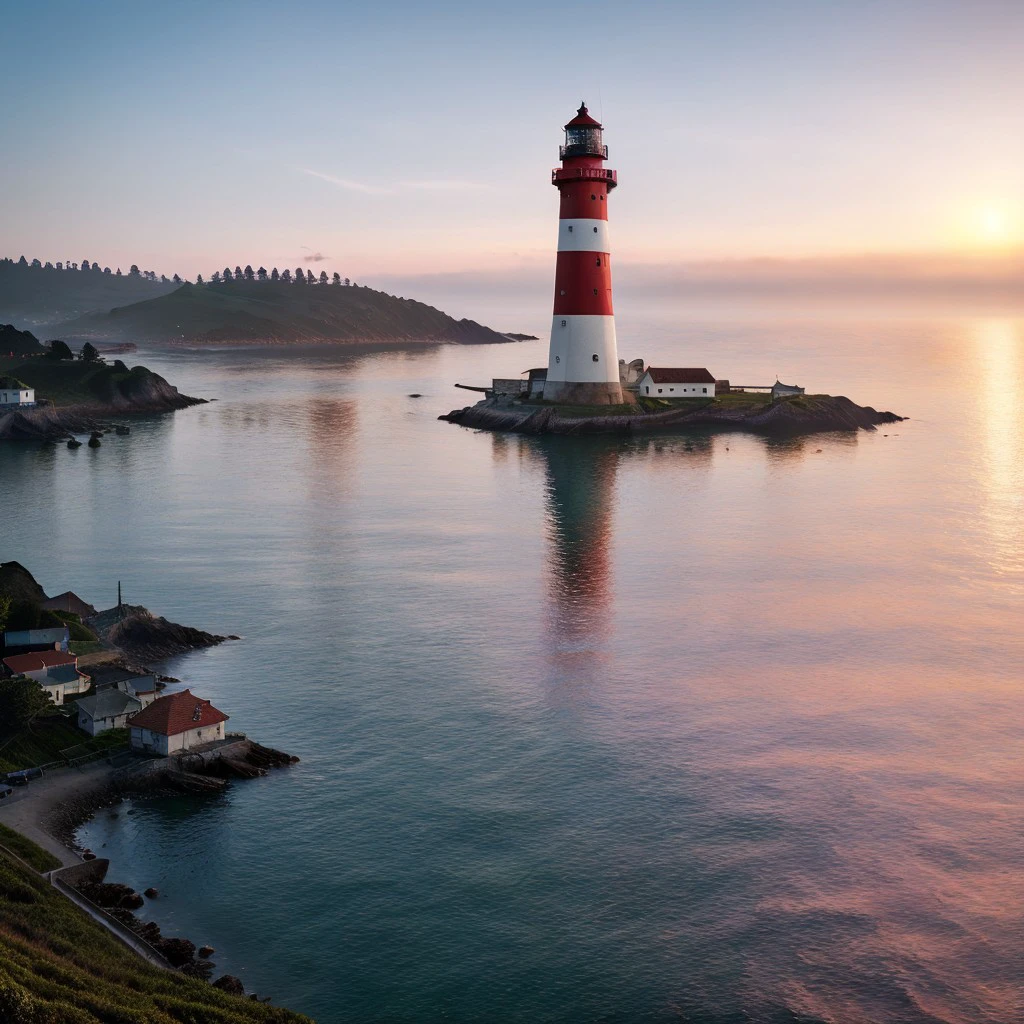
x: 176, y: 722
x: 676, y: 382
x: 23, y: 640
x: 15, y: 393
x: 56, y: 672
x: 109, y: 709
x: 69, y: 602
x: 136, y: 684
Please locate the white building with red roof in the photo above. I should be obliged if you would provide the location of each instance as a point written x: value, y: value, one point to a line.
x: 56, y: 672
x: 677, y: 382
x: 176, y: 722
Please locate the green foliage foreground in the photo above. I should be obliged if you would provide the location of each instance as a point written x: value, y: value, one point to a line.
x: 58, y: 966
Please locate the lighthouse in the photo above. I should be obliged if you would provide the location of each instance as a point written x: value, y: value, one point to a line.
x: 583, y: 360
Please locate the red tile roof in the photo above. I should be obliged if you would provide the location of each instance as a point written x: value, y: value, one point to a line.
x: 680, y: 375
x: 35, y: 661
x: 177, y: 713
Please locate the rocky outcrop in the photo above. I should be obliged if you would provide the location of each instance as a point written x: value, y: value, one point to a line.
x: 139, y: 392
x: 807, y: 414
x: 134, y: 630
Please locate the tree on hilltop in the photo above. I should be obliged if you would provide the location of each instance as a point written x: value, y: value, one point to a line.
x: 59, y: 350
x: 274, y: 275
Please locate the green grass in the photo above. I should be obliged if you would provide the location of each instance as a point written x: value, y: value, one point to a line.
x: 58, y: 966
x: 46, y: 738
x: 35, y: 856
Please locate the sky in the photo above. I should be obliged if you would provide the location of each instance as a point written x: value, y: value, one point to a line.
x: 405, y: 142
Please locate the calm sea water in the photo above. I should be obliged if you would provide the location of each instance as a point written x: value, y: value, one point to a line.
x: 711, y: 729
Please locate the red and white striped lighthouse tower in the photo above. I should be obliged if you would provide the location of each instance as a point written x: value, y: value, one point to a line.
x: 583, y: 362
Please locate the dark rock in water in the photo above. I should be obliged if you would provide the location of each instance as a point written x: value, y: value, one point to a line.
x: 206, y: 952
x: 131, y: 902
x: 176, y: 951
x: 151, y: 893
x: 198, y: 969
x: 230, y: 984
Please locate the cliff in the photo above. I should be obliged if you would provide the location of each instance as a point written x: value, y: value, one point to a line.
x: 805, y: 414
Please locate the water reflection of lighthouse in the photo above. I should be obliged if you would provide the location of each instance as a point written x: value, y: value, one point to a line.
x: 580, y: 504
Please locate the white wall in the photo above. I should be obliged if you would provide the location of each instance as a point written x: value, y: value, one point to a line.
x: 575, y: 340
x: 674, y: 390
x: 13, y: 397
x: 143, y: 739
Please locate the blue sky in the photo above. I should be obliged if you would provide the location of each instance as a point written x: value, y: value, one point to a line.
x: 413, y: 139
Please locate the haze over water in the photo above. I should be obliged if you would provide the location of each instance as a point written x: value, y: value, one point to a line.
x: 707, y: 728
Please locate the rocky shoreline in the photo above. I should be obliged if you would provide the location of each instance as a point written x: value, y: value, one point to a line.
x: 807, y: 414
x: 49, y: 423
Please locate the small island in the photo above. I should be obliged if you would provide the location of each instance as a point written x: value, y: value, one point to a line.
x: 686, y: 398
x: 46, y: 393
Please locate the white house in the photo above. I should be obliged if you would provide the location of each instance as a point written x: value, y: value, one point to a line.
x: 14, y: 393
x: 676, y: 382
x: 109, y: 709
x: 57, y: 673
x: 176, y: 722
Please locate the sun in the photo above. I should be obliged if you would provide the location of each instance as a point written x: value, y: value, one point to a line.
x: 995, y: 224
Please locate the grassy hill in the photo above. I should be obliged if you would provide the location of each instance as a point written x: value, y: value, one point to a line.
x: 59, y: 966
x: 275, y: 312
x: 45, y: 295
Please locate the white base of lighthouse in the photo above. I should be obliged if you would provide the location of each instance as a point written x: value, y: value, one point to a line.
x: 583, y: 361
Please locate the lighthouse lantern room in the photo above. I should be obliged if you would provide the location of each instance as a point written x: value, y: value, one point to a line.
x: 583, y: 361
